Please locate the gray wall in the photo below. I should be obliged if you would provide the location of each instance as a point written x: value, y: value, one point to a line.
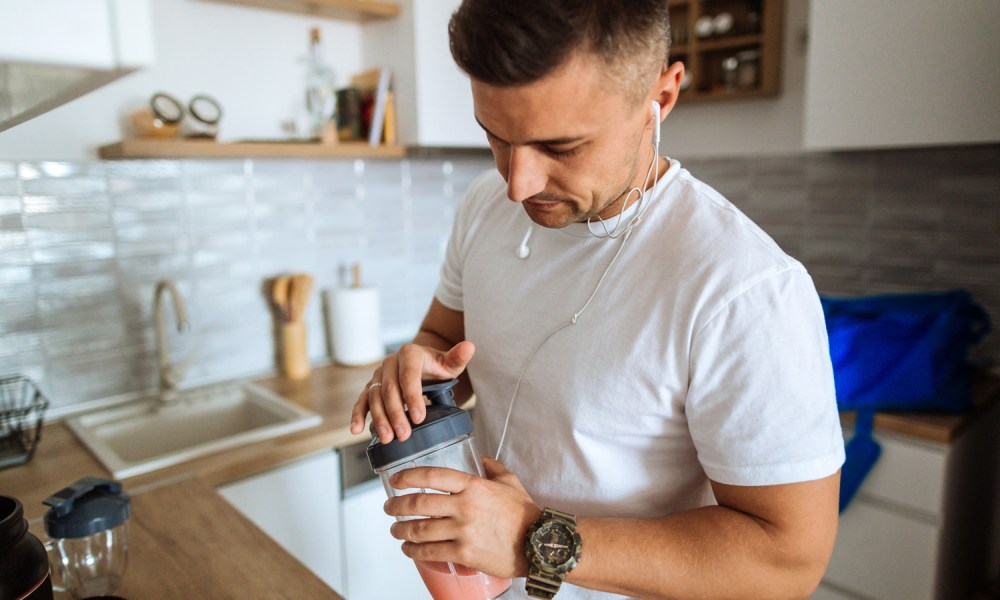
x: 83, y: 243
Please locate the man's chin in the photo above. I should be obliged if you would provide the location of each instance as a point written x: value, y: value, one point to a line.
x: 552, y: 216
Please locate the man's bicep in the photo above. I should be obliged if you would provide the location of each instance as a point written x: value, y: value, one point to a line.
x: 800, y: 517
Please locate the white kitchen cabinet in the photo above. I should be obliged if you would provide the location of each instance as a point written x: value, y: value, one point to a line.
x: 433, y: 98
x: 375, y: 567
x: 918, y: 528
x: 52, y: 51
x: 902, y: 73
x: 298, y: 505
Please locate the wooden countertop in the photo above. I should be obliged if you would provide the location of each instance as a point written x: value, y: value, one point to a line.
x: 186, y: 541
x: 942, y: 428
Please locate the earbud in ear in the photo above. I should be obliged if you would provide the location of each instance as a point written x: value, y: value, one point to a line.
x: 656, y: 115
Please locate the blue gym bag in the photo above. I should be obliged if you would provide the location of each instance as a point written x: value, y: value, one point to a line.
x: 899, y: 352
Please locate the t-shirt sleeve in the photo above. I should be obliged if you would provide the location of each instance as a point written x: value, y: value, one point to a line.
x: 761, y: 404
x: 449, y: 289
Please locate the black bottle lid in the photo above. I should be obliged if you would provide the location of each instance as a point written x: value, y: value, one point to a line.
x: 444, y: 422
x: 89, y: 506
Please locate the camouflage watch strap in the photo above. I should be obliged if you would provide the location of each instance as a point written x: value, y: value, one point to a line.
x: 542, y: 585
x: 539, y: 583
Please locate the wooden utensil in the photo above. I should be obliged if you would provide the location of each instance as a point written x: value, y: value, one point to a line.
x: 300, y: 291
x: 279, y: 296
x: 294, y: 356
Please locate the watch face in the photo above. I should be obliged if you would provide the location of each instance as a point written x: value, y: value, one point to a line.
x: 554, y: 543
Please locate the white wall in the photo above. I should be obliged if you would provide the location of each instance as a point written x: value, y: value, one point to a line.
x: 756, y: 126
x: 898, y: 73
x: 247, y: 58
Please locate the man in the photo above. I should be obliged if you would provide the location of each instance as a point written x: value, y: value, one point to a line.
x: 646, y: 359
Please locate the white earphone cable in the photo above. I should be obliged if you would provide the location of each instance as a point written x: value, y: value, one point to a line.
x: 573, y: 321
x: 625, y: 235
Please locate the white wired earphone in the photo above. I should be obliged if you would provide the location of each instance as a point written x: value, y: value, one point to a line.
x: 523, y: 251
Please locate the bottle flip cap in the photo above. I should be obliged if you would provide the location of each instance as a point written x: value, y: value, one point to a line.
x: 89, y: 506
x: 444, y: 422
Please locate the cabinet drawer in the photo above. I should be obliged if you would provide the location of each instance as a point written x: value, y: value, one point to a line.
x: 883, y: 554
x: 354, y: 467
x: 909, y: 474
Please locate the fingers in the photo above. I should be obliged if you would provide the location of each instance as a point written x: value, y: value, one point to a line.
x: 358, y: 413
x: 480, y: 523
x: 390, y: 398
x: 458, y: 357
x: 422, y: 504
x: 370, y: 401
x: 444, y: 551
x: 399, y: 388
x: 361, y: 405
x: 424, y: 531
x: 439, y: 479
x: 379, y: 419
x: 495, y: 471
x: 411, y: 374
x: 492, y: 467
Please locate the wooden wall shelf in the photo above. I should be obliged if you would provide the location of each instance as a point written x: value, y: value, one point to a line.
x: 755, y: 31
x: 136, y: 148
x: 346, y: 10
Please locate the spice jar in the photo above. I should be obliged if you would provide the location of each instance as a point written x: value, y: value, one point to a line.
x: 729, y: 74
x: 748, y: 69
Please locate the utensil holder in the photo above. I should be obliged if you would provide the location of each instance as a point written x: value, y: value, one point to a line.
x: 293, y: 357
x: 22, y: 408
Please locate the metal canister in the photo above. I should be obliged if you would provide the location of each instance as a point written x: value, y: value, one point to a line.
x: 24, y: 570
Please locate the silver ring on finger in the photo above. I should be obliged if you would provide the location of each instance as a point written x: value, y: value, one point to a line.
x: 373, y: 385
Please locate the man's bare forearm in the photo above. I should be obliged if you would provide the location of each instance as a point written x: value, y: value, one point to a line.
x: 715, y: 551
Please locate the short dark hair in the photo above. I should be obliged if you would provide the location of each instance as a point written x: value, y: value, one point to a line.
x: 516, y: 42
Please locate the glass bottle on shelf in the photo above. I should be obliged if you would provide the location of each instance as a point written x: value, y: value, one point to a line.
x: 321, y: 91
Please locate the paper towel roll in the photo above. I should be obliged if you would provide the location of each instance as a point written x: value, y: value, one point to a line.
x: 353, y: 325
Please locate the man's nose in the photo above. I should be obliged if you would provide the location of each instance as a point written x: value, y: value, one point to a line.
x: 526, y: 176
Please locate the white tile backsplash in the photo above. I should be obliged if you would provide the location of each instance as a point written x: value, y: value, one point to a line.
x: 82, y: 245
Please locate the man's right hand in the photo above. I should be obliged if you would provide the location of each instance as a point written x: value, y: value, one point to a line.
x: 397, y: 386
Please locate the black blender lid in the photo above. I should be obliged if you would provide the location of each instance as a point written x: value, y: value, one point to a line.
x: 443, y: 422
x: 89, y: 506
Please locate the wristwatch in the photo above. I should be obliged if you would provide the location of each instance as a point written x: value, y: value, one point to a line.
x: 553, y: 548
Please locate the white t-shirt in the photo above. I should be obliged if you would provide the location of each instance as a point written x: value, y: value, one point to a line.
x: 703, y: 355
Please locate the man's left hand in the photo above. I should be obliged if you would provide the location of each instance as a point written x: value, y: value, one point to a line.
x: 479, y: 523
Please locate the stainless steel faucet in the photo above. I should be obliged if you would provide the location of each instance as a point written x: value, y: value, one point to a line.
x: 169, y: 375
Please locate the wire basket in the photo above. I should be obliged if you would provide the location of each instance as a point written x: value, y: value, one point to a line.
x: 22, y: 408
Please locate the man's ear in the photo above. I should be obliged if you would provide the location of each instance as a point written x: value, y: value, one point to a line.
x: 667, y: 87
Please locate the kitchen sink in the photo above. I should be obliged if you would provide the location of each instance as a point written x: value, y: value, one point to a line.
x: 149, y: 434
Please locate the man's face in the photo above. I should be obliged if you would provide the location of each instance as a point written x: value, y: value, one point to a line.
x: 567, y: 145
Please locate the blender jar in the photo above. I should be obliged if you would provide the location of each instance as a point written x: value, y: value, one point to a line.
x: 87, y: 527
x: 443, y: 439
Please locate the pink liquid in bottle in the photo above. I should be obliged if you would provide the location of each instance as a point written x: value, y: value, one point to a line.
x: 464, y: 584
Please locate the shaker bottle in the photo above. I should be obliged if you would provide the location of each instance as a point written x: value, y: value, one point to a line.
x: 24, y: 567
x: 87, y: 526
x: 443, y: 439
